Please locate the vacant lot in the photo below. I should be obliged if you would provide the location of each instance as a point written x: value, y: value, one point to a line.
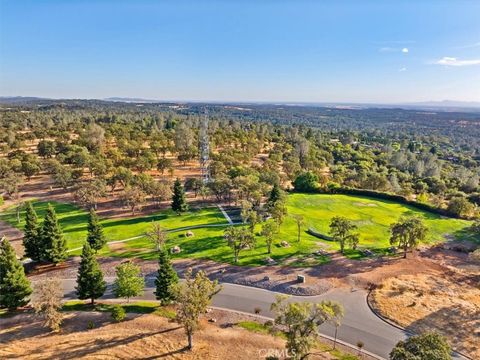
x: 93, y: 335
x: 448, y: 303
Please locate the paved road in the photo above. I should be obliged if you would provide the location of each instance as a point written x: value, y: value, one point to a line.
x: 359, y: 323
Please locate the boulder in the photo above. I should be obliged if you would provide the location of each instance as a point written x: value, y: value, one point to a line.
x: 189, y: 234
x: 175, y: 250
x: 284, y: 244
x: 270, y: 261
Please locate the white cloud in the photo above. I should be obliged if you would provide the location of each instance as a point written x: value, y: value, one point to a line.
x: 402, y: 69
x: 405, y: 50
x: 452, y: 61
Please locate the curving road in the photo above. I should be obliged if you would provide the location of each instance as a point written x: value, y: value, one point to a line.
x: 359, y: 322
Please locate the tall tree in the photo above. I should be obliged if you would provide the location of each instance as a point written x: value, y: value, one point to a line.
x: 47, y: 302
x: 342, y: 231
x: 166, y: 278
x: 129, y: 281
x: 96, y: 238
x: 31, y: 234
x: 427, y: 346
x: 179, y: 203
x: 14, y: 285
x: 276, y: 194
x: 54, y: 246
x: 193, y: 297
x: 239, y: 238
x: 407, y: 233
x: 90, y: 283
x: 302, y: 321
x: 269, y: 230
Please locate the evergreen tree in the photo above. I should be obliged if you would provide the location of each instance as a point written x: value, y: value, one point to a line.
x: 54, y: 246
x: 275, y: 195
x: 90, y: 283
x: 95, y: 237
x: 179, y: 203
x: 166, y: 277
x: 31, y: 234
x: 14, y: 285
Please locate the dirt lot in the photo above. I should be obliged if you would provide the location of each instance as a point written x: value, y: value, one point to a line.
x: 447, y: 301
x: 138, y: 337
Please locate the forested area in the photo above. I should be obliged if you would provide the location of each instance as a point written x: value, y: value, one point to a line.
x: 96, y: 149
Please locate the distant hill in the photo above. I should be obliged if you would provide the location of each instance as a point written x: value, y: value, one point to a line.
x: 131, y: 100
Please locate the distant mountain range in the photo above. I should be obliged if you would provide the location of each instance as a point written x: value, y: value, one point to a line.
x: 445, y: 105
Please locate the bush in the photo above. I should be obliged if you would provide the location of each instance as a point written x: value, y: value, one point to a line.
x: 1, y: 200
x: 90, y: 325
x: 118, y: 313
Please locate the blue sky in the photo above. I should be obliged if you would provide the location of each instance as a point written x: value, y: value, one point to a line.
x: 264, y: 50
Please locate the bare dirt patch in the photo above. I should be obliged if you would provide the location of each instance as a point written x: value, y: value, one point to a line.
x: 448, y: 303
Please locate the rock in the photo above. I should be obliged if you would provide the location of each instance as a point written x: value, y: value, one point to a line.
x: 367, y: 252
x: 266, y: 278
x: 189, y: 234
x: 301, y: 279
x: 175, y: 250
x: 270, y: 261
x: 320, y: 252
x: 284, y: 244
x: 212, y: 320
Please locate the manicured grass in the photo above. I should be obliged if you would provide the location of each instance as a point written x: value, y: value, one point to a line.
x: 73, y: 221
x: 373, y: 218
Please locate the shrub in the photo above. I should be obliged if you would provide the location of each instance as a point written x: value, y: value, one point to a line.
x: 118, y: 313
x: 90, y: 325
x: 1, y: 200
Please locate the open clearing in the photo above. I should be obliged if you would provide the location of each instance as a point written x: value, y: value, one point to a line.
x: 449, y: 304
x: 373, y: 219
x: 143, y: 336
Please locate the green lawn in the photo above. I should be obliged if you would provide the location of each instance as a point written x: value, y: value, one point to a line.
x: 73, y: 221
x: 373, y: 218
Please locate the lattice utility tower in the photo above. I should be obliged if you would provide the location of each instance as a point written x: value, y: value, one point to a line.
x: 204, y: 148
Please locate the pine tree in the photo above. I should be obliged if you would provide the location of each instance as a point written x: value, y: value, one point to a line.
x: 54, y: 246
x: 31, y: 234
x: 90, y: 283
x: 166, y: 277
x: 14, y: 285
x: 95, y: 237
x: 179, y: 203
x: 275, y: 195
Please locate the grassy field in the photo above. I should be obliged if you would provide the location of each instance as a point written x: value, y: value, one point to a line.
x: 373, y: 218
x: 73, y: 221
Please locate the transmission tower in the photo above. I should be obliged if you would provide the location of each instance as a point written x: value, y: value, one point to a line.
x: 204, y: 147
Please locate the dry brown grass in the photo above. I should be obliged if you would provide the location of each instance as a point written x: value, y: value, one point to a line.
x: 138, y: 337
x: 449, y: 304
